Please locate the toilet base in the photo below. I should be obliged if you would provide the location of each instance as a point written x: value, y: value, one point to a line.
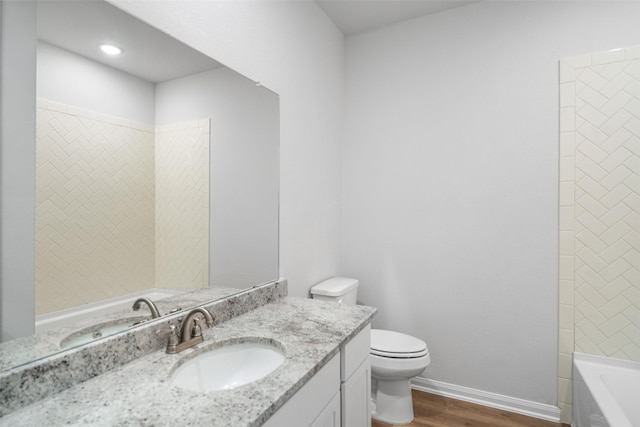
x: 392, y: 402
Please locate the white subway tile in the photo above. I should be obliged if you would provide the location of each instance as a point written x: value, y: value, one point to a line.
x: 567, y: 144
x: 591, y: 205
x: 567, y: 169
x: 615, y: 232
x: 618, y: 194
x: 591, y: 259
x: 567, y: 72
x: 567, y: 119
x: 608, y: 56
x: 586, y: 167
x: 566, y: 341
x: 566, y: 316
x: 591, y: 133
x: 616, y: 84
x: 587, y: 276
x: 632, y: 52
x: 565, y: 365
x: 578, y: 61
x: 567, y: 243
x: 566, y: 267
x: 588, y: 95
x: 566, y: 193
x: 568, y: 94
x: 614, y: 343
x: 566, y: 218
x: 592, y: 79
x: 615, y: 269
x: 566, y: 292
x: 592, y: 115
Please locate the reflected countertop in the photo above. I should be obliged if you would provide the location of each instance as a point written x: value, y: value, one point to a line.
x: 139, y: 393
x: 28, y: 349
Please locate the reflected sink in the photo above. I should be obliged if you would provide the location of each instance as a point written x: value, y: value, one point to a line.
x: 227, y: 367
x: 95, y: 332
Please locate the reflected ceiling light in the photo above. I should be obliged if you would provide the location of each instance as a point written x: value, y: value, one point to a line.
x: 110, y: 49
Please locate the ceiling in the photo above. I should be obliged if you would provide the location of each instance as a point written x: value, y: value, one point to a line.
x: 80, y: 26
x: 356, y: 16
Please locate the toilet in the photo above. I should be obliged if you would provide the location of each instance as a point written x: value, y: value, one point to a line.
x: 395, y: 357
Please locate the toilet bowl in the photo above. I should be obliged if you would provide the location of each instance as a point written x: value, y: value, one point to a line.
x: 395, y: 358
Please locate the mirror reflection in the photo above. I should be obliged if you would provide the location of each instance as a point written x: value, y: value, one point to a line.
x: 156, y: 174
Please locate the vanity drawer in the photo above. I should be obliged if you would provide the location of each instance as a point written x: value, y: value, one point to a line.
x: 355, y: 352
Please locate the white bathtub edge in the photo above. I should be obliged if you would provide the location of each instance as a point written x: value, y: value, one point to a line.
x: 56, y: 319
x: 608, y: 361
x: 589, y: 369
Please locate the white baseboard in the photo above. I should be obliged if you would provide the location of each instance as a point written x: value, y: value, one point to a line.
x: 492, y: 400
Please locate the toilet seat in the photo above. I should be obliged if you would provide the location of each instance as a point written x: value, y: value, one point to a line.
x: 396, y: 345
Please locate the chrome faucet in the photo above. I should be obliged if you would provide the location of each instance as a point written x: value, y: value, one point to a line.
x: 154, y: 310
x: 190, y: 333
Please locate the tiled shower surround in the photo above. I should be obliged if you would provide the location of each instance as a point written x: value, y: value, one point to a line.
x: 113, y: 201
x: 599, y: 209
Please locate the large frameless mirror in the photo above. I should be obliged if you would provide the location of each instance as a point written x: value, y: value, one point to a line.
x: 156, y: 177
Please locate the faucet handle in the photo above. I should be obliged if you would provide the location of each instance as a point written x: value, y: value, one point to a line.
x: 196, y: 330
x: 173, y: 340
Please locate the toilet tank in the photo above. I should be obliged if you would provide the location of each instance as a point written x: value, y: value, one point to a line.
x: 342, y: 290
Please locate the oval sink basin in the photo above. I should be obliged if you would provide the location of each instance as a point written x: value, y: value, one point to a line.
x: 228, y: 367
x: 98, y: 331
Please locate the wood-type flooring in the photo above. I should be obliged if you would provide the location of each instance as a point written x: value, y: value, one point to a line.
x: 431, y: 410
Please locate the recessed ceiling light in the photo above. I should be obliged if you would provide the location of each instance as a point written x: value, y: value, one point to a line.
x: 110, y: 49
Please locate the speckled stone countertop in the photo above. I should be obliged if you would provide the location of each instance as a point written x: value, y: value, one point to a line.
x: 25, y: 350
x: 140, y: 394
x: 31, y: 382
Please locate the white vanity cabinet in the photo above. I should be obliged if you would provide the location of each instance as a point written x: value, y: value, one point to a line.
x: 337, y: 395
x: 317, y: 403
x: 355, y: 388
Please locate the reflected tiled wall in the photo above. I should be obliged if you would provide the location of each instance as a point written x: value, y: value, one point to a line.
x: 100, y: 187
x: 599, y: 209
x: 182, y: 205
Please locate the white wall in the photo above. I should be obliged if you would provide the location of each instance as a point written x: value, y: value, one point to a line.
x: 243, y: 244
x: 293, y: 49
x: 17, y: 168
x: 71, y: 79
x: 451, y: 176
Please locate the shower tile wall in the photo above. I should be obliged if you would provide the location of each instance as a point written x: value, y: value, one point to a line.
x: 96, y: 208
x: 182, y: 205
x: 599, y: 208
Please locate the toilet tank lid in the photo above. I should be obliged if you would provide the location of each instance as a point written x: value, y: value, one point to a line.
x: 334, y: 287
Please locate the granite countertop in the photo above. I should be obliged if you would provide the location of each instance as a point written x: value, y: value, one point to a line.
x: 24, y: 350
x: 140, y: 394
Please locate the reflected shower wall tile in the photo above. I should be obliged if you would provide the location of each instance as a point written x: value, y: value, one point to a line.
x: 94, y: 207
x: 608, y: 56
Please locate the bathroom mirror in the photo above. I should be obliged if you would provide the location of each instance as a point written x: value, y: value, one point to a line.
x: 156, y: 169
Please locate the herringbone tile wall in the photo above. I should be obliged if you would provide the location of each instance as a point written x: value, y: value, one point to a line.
x: 182, y: 205
x: 113, y: 214
x: 607, y: 194
x: 599, y: 208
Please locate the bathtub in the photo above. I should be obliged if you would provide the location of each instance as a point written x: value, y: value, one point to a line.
x: 606, y: 392
x: 77, y: 315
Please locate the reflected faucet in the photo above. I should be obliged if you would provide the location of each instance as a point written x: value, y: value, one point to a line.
x: 154, y: 310
x: 190, y: 333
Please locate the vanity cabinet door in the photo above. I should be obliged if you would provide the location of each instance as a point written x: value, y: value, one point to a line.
x: 310, y: 406
x: 357, y: 395
x: 356, y: 381
x: 330, y: 415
